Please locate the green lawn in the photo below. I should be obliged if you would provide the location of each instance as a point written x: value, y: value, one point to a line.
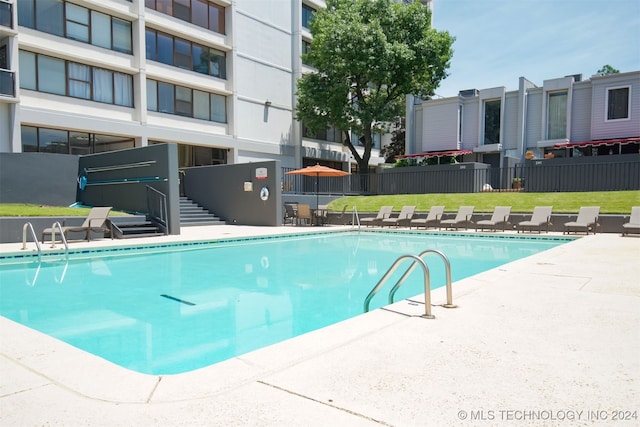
x: 23, y: 209
x: 610, y: 202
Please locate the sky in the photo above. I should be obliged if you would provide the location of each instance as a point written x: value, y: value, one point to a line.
x: 499, y: 41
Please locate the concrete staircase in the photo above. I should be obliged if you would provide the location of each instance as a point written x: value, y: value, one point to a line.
x: 193, y: 214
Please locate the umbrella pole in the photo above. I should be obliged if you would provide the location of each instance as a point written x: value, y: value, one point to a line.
x: 317, y: 196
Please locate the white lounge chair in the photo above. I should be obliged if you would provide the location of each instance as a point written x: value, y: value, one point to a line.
x: 95, y: 221
x: 433, y: 218
x: 500, y: 217
x: 463, y: 217
x: 404, y: 217
x: 384, y: 212
x: 541, y: 216
x: 633, y: 226
x: 587, y: 220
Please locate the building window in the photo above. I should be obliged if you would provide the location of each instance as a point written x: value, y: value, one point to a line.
x: 307, y: 15
x: 52, y: 75
x: 492, y: 122
x: 183, y: 101
x: 199, y: 12
x: 46, y: 140
x: 306, y: 47
x: 618, y: 103
x: 76, y: 22
x: 184, y: 54
x: 557, y: 115
x: 6, y: 15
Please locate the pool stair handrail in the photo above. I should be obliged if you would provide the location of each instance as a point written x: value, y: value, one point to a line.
x: 54, y: 226
x: 29, y: 226
x: 354, y: 217
x: 392, y: 269
x: 417, y: 260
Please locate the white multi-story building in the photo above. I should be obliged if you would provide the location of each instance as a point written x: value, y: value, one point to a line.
x: 216, y: 77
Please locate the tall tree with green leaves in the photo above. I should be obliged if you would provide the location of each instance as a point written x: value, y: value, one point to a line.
x: 607, y: 70
x: 368, y: 55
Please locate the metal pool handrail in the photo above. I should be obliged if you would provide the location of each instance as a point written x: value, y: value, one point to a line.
x: 427, y: 283
x: 355, y: 217
x: 447, y: 265
x: 53, y: 236
x: 29, y: 226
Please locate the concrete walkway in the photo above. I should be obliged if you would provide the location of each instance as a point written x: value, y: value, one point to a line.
x: 553, y: 339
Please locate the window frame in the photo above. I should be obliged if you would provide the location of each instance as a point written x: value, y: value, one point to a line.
x: 606, y: 103
x: 548, y: 134
x: 491, y: 101
x: 29, y: 17
x: 67, y: 79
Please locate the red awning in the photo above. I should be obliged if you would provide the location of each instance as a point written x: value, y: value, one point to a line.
x: 429, y: 154
x: 598, y: 142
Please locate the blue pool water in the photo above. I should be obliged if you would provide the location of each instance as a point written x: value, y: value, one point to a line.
x: 188, y: 306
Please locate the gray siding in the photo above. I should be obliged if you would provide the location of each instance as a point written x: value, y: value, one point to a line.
x: 534, y: 118
x: 581, y: 113
x: 470, y: 124
x: 510, y: 125
x: 600, y: 128
x: 440, y: 126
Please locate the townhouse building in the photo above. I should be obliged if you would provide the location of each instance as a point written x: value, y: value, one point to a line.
x: 216, y: 77
x: 565, y: 117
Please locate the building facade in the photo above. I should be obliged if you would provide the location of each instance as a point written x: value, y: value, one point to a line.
x: 564, y: 117
x: 216, y: 77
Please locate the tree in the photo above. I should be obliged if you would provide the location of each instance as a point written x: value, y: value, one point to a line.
x: 607, y: 70
x: 396, y: 147
x: 368, y: 55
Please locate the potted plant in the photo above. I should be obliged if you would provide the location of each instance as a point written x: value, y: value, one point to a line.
x: 517, y: 183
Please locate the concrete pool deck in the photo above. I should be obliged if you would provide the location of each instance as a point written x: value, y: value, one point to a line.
x: 552, y: 339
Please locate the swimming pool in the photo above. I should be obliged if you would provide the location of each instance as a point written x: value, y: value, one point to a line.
x: 176, y: 308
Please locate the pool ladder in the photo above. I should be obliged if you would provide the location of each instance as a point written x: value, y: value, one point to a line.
x: 417, y: 261
x: 29, y: 227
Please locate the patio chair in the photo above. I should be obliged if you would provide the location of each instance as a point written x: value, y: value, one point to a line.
x: 633, y: 225
x: 587, y: 220
x: 541, y: 216
x: 500, y: 217
x: 304, y: 214
x: 95, y: 221
x: 384, y: 212
x: 289, y: 214
x: 433, y: 218
x: 320, y: 215
x: 463, y: 217
x: 404, y: 217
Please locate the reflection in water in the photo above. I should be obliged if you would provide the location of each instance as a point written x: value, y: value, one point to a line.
x: 244, y: 296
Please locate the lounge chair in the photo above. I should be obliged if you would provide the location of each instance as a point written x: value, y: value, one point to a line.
x: 433, y: 218
x: 403, y: 218
x: 95, y: 221
x: 500, y: 217
x: 541, y: 216
x: 383, y: 213
x: 633, y: 225
x: 463, y: 217
x: 587, y: 220
x: 304, y: 214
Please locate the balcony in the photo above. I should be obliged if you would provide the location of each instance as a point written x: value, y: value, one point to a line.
x: 7, y: 83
